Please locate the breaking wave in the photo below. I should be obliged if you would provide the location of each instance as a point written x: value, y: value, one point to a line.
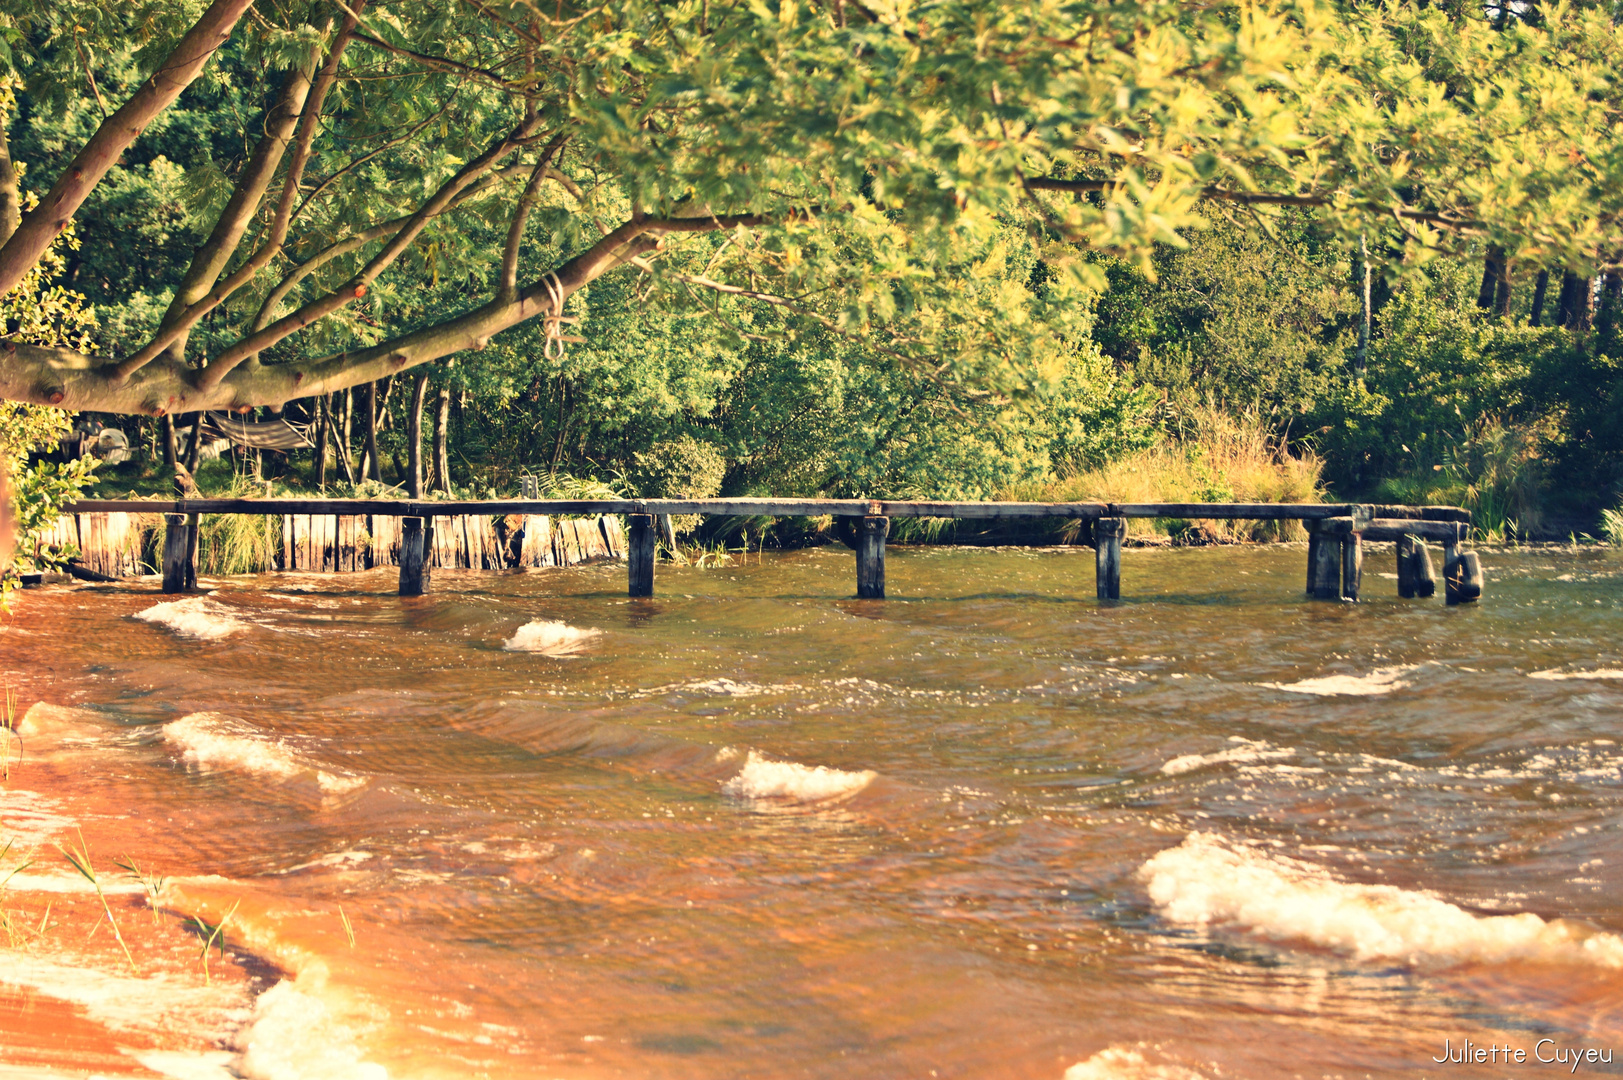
x: 787, y: 780
x: 1205, y: 882
x: 195, y: 617
x: 1599, y: 673
x: 1246, y: 752
x: 213, y: 741
x: 1379, y: 681
x: 1126, y: 1063
x: 551, y: 639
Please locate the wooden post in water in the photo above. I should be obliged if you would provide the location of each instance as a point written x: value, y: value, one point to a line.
x: 1326, y: 569
x: 1425, y: 576
x: 177, y: 543
x: 193, y: 527
x: 640, y: 549
x: 1107, y: 534
x: 1352, y: 565
x: 1313, y: 543
x: 1462, y: 570
x: 1406, y: 574
x: 871, y: 533
x: 415, y: 541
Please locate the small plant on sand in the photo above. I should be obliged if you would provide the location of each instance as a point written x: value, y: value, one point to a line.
x: 7, y: 923
x: 80, y: 858
x: 152, y: 883
x: 212, y: 936
x: 349, y: 931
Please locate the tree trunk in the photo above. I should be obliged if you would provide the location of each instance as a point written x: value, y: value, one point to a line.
x: 414, y: 433
x: 196, y: 448
x: 171, y: 451
x: 1501, y: 305
x: 1611, y: 292
x: 1540, y: 288
x: 320, y: 452
x: 341, y: 448
x: 1492, y: 266
x: 442, y: 451
x: 346, y: 436
x: 1576, y: 302
x: 1363, y: 327
x: 371, y: 468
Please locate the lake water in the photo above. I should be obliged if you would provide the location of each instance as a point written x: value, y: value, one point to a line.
x: 752, y: 827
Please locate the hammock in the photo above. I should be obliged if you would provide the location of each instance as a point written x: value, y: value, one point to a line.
x: 269, y: 435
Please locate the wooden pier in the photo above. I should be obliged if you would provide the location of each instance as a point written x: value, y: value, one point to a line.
x: 408, y: 534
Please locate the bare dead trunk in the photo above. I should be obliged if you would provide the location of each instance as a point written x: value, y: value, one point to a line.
x: 442, y: 451
x: 414, y: 433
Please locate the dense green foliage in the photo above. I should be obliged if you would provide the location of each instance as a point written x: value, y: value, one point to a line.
x: 950, y: 249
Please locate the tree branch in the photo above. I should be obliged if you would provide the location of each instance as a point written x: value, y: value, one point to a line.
x: 1258, y: 198
x: 257, y: 342
x: 24, y: 247
x: 521, y: 213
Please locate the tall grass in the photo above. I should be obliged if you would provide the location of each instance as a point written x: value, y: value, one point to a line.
x: 8, y: 731
x: 238, y: 543
x: 1222, y: 459
x: 1491, y: 468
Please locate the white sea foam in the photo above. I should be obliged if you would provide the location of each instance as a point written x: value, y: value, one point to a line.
x: 195, y: 617
x: 1126, y: 1063
x: 1206, y: 882
x: 1379, y: 681
x: 213, y: 741
x: 167, y: 1003
x: 1247, y: 751
x: 551, y: 639
x: 295, y: 1036
x: 763, y: 779
x: 1598, y: 673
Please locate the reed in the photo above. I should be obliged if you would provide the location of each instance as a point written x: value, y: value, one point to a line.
x: 211, y: 936
x: 80, y: 858
x: 349, y: 931
x: 8, y: 731
x: 1611, y: 526
x: 151, y: 883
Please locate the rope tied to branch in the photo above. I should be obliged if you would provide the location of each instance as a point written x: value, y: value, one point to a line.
x: 554, y: 323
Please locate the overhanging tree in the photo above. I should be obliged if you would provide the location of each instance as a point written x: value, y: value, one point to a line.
x: 855, y: 167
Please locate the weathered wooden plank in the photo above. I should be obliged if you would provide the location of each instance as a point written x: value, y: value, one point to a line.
x: 871, y: 533
x: 757, y: 508
x: 640, y: 551
x: 1240, y: 511
x: 615, y: 538
x: 1383, y: 528
x: 1107, y: 534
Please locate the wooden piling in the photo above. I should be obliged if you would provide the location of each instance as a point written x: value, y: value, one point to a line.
x: 1352, y: 566
x: 1462, y: 571
x: 1107, y: 534
x: 871, y: 533
x: 193, y: 527
x: 1452, y: 571
x: 415, y: 546
x: 1313, y: 542
x: 640, y: 550
x: 177, y: 543
x: 1425, y: 575
x: 1326, y: 570
x: 1406, y: 575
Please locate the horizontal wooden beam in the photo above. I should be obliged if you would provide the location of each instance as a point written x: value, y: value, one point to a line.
x: 1396, y: 528
x: 771, y: 508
